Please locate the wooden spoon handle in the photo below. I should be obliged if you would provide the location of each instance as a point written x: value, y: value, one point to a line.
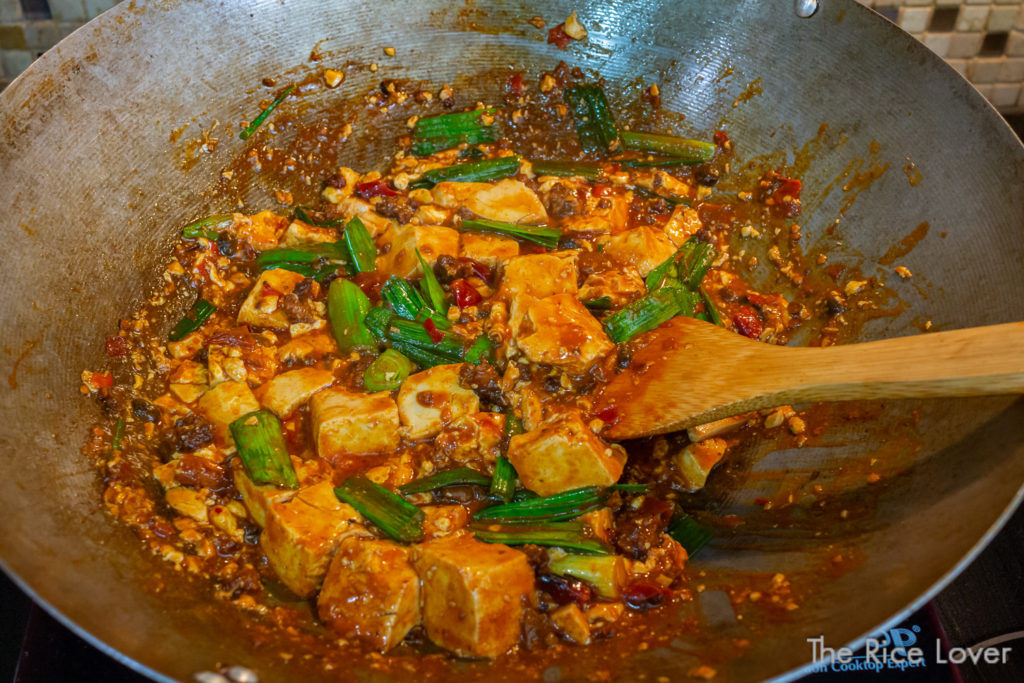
x: 969, y: 362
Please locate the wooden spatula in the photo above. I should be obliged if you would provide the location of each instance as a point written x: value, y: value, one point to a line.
x: 694, y: 372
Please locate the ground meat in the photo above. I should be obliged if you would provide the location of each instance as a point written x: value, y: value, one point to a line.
x: 246, y: 581
x: 191, y: 433
x: 448, y: 269
x: 638, y: 530
x: 484, y: 381
x: 336, y: 181
x: 201, y: 473
x: 561, y: 202
x: 297, y: 309
x: 707, y: 174
x: 659, y: 206
x: 144, y: 410
x: 590, y: 262
x: 399, y: 208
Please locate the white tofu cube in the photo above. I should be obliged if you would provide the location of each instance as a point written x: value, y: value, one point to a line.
x: 225, y: 403
x: 487, y: 248
x: 371, y: 592
x: 262, y: 308
x: 563, y: 454
x: 257, y: 498
x: 302, y: 534
x: 285, y: 393
x: 642, y: 249
x: 560, y: 331
x: 301, y: 234
x: 620, y: 286
x: 433, y: 398
x: 539, y: 275
x: 431, y: 240
x: 376, y: 224
x: 353, y: 424
x: 261, y: 230
x: 682, y: 224
x: 473, y: 594
x: 694, y: 463
x: 509, y: 201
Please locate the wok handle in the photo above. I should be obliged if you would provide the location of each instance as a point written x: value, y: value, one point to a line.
x: 971, y: 362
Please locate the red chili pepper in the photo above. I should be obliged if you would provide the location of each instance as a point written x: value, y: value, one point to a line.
x: 436, y: 335
x: 721, y: 137
x: 759, y: 299
x: 644, y: 595
x: 601, y: 190
x: 788, y: 188
x: 117, y: 346
x: 465, y: 294
x: 482, y: 270
x: 558, y: 37
x: 102, y: 379
x: 515, y: 84
x: 747, y: 323
x: 607, y: 415
x: 376, y: 188
x: 564, y: 590
x: 370, y: 283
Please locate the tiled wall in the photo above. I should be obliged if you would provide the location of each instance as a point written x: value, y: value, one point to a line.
x: 982, y: 39
x: 30, y: 27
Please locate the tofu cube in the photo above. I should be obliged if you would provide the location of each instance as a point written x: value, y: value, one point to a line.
x: 433, y: 398
x: 642, y: 249
x: 225, y: 403
x: 560, y: 331
x: 302, y: 534
x: 431, y: 240
x: 301, y: 234
x: 563, y: 454
x: 487, y: 248
x: 601, y: 215
x: 285, y: 393
x: 453, y: 195
x: 682, y: 224
x: 257, y: 498
x: 353, y: 424
x: 376, y: 224
x: 371, y: 592
x: 473, y: 594
x: 262, y: 308
x: 694, y: 463
x: 620, y: 286
x: 539, y: 275
x: 260, y: 230
x: 509, y: 201
x: 473, y: 440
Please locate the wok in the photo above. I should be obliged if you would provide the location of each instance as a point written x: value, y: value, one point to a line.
x: 95, y: 184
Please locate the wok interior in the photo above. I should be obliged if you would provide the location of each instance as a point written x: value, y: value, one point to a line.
x: 95, y: 188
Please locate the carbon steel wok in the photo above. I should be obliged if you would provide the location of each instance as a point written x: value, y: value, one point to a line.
x: 95, y: 184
